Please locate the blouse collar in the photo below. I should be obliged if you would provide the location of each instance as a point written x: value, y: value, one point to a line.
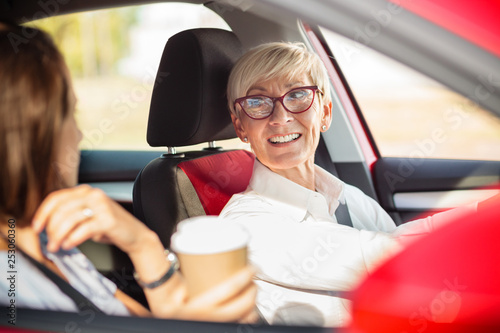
x: 282, y: 190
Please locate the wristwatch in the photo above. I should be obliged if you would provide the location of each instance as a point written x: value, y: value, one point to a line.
x: 174, y: 266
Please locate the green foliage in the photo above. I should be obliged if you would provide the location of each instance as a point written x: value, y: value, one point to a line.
x: 92, y: 42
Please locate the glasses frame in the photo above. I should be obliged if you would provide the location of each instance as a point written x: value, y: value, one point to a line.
x: 274, y: 99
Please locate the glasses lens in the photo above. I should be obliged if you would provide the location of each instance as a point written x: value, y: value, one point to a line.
x: 298, y: 100
x: 257, y: 107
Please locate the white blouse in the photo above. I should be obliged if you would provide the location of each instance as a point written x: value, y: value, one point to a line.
x: 306, y: 261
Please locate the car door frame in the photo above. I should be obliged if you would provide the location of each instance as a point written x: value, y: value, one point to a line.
x: 407, y: 188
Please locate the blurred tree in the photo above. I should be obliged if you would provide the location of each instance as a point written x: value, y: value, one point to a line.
x: 93, y: 42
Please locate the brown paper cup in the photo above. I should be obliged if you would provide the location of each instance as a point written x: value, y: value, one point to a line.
x: 209, y: 251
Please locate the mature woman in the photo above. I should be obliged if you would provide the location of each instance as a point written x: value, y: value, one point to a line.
x: 278, y: 94
x: 44, y: 216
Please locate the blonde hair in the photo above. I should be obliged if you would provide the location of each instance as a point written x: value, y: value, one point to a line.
x: 276, y: 60
x: 34, y: 101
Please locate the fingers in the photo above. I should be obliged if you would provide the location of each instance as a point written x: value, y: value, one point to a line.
x: 232, y: 300
x: 239, y: 309
x: 171, y: 302
x: 250, y: 318
x: 74, y: 237
x: 63, y: 226
x: 59, y: 202
x: 226, y: 289
x: 62, y: 215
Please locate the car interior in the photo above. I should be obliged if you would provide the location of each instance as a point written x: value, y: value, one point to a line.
x: 188, y: 107
x: 176, y: 186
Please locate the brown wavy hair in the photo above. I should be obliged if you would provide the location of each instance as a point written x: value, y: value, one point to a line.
x: 34, y: 101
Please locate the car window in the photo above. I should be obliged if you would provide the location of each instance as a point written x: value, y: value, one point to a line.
x: 113, y: 56
x: 411, y: 115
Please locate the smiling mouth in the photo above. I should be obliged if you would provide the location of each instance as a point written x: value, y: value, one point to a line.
x: 285, y: 138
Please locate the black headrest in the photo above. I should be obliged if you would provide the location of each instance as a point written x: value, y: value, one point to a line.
x: 189, y: 104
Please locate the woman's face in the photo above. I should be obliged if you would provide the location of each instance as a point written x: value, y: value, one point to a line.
x: 68, y: 159
x: 284, y: 140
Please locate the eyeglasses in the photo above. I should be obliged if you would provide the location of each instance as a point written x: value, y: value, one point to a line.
x: 296, y: 100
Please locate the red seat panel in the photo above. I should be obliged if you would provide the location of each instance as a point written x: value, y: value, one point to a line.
x: 217, y: 177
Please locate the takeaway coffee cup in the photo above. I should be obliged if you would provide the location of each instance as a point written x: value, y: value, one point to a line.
x: 209, y: 251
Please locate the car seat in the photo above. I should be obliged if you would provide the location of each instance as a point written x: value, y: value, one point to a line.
x: 189, y: 107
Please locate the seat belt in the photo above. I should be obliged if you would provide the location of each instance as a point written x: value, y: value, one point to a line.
x: 342, y: 215
x: 188, y: 194
x: 194, y: 208
x: 322, y: 158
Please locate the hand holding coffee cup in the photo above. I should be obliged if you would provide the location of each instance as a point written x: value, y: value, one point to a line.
x: 209, y: 251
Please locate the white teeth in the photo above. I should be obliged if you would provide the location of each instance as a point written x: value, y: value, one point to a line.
x: 284, y: 139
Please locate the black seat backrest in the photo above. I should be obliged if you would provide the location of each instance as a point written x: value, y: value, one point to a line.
x: 188, y: 107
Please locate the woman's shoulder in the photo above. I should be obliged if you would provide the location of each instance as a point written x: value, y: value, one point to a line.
x: 29, y: 288
x: 246, y: 199
x: 33, y: 289
x: 366, y: 213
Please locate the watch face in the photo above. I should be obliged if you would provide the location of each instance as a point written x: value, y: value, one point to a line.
x: 174, y: 266
x: 172, y: 258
